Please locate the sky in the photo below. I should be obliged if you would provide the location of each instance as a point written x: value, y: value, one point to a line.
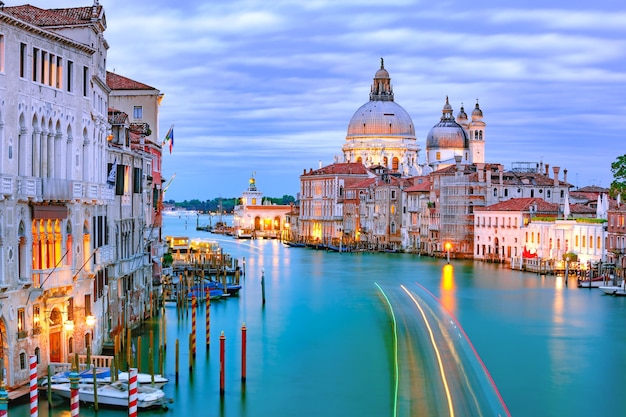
x: 267, y: 88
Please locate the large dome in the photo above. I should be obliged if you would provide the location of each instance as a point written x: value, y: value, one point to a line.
x: 447, y: 134
x: 381, y: 118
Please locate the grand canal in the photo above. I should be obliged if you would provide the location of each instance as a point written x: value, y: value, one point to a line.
x: 322, y: 344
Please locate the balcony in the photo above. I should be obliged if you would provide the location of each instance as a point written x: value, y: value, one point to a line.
x: 29, y: 189
x: 22, y: 334
x: 56, y: 189
x: 46, y: 279
x: 7, y: 185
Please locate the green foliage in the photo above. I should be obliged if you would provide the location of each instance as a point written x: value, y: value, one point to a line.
x: 227, y: 204
x: 618, y: 168
x: 589, y: 220
x: 167, y: 259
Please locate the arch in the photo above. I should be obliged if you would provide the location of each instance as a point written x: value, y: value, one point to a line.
x: 385, y: 162
x: 7, y: 364
x: 395, y: 162
x: 276, y: 225
x: 257, y: 223
x: 21, y: 253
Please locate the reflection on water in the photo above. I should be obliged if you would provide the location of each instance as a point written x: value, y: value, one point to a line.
x: 321, y: 344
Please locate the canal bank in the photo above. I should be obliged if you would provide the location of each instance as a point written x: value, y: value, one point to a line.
x: 322, y: 345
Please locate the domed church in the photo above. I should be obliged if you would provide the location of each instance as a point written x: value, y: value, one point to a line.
x: 381, y: 132
x: 460, y: 137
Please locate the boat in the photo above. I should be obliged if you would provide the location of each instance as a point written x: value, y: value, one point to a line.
x: 614, y: 289
x: 103, y: 375
x: 595, y: 282
x: 231, y: 289
x: 114, y: 394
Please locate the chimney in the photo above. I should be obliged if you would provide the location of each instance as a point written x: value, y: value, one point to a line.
x: 556, y: 175
x: 480, y: 167
x: 565, y: 176
x: 547, y: 170
x: 457, y: 159
x: 320, y: 164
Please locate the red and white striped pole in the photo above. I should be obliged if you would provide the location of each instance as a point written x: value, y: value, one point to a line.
x: 208, y: 320
x: 74, y: 404
x: 132, y: 392
x: 222, y: 362
x: 32, y: 360
x: 194, y: 307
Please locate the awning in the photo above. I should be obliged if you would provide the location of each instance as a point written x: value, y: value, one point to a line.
x: 46, y: 212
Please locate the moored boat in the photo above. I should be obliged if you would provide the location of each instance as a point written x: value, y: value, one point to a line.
x: 114, y: 394
x: 103, y: 375
x: 614, y: 289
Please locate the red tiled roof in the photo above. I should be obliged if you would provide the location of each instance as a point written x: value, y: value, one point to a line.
x: 118, y: 82
x: 522, y: 204
x: 72, y: 16
x: 363, y: 183
x: 343, y: 168
x: 419, y: 186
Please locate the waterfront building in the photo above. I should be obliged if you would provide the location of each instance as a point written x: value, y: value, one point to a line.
x: 381, y: 210
x: 258, y: 218
x: 616, y: 237
x: 140, y: 140
x: 416, y: 215
x: 53, y: 129
x: 75, y: 186
x: 322, y: 194
x: 533, y: 228
x: 458, y: 190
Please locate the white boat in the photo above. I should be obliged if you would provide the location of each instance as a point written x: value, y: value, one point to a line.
x: 614, y: 289
x: 114, y: 394
x: 103, y: 375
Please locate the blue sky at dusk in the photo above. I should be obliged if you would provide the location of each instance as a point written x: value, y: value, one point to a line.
x: 270, y: 86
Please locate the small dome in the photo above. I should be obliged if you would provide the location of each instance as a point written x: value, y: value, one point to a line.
x: 462, y: 115
x: 477, y: 113
x: 447, y: 134
x: 382, y: 72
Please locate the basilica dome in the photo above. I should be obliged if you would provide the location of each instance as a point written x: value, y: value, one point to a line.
x: 447, y: 134
x: 381, y: 118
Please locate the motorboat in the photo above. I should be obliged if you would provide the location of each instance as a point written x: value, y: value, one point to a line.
x: 114, y: 394
x: 614, y: 289
x: 103, y: 375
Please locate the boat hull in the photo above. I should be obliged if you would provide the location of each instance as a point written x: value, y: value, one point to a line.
x: 114, y: 395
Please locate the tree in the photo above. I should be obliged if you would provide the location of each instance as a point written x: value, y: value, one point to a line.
x: 618, y: 168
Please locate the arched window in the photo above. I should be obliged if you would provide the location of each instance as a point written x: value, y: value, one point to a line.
x: 506, y: 192
x: 532, y: 193
x: 495, y: 192
x: 395, y: 163
x: 385, y: 162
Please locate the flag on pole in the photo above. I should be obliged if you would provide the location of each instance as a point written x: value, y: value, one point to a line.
x: 112, y: 177
x: 169, y: 137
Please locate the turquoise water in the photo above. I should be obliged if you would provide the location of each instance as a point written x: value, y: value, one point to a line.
x: 322, y: 344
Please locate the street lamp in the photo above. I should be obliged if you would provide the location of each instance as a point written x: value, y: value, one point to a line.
x: 448, y: 246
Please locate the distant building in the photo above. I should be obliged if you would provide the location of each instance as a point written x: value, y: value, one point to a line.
x: 256, y: 219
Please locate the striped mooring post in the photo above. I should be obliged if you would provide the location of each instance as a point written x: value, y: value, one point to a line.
x: 74, y: 403
x: 194, y: 307
x: 132, y: 392
x: 208, y: 320
x: 32, y: 361
x: 4, y: 398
